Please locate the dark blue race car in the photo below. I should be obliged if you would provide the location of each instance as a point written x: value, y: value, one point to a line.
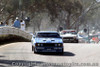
x: 47, y: 41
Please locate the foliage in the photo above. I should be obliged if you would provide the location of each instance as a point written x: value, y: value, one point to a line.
x: 72, y: 9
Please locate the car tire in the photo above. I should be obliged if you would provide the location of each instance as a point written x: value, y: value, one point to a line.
x: 77, y: 41
x: 35, y: 51
x: 61, y: 53
x: 32, y: 48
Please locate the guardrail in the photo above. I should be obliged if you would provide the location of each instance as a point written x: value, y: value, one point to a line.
x: 6, y: 30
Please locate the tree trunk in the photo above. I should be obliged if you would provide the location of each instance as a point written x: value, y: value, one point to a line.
x: 68, y: 21
x: 10, y: 16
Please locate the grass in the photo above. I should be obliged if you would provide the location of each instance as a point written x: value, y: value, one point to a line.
x: 5, y: 39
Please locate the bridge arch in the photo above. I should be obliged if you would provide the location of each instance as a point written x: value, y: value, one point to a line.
x: 7, y: 30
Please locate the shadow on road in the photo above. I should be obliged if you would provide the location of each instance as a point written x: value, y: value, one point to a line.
x: 7, y: 39
x: 57, y: 54
x: 2, y: 56
x: 68, y: 54
x: 22, y: 63
x: 2, y: 66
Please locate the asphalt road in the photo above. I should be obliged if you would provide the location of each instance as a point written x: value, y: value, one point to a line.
x: 75, y: 55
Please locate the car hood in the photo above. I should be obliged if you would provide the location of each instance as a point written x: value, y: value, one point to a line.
x: 48, y: 40
x: 68, y: 35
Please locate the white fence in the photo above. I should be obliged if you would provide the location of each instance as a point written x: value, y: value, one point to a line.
x: 14, y: 31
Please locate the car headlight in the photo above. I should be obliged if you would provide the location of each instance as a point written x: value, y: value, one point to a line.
x: 56, y: 45
x: 59, y: 44
x: 38, y: 44
x: 41, y: 44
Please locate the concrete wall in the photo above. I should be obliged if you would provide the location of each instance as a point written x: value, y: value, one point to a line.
x: 14, y: 31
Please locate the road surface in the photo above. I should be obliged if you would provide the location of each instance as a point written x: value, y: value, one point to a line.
x: 75, y: 55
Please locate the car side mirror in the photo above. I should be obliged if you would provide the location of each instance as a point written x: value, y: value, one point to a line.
x: 61, y: 37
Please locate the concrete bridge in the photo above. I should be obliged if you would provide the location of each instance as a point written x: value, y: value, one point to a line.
x: 7, y: 30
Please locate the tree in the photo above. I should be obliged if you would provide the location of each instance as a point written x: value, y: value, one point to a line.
x: 67, y: 12
x: 89, y: 11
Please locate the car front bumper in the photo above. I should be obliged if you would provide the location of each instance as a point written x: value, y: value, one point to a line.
x: 70, y: 40
x: 49, y: 49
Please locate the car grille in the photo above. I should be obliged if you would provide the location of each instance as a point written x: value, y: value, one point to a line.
x: 49, y: 44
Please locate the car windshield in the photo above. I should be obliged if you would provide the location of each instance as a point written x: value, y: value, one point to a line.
x: 50, y: 35
x: 68, y: 32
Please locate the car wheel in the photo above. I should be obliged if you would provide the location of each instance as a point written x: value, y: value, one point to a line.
x: 61, y: 53
x: 35, y: 51
x: 77, y: 41
x: 32, y: 48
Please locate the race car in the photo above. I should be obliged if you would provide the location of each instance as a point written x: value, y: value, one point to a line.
x: 69, y: 36
x: 47, y: 41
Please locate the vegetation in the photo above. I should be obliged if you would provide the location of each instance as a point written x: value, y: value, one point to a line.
x: 65, y: 13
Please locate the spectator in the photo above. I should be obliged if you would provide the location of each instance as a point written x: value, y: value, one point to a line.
x: 1, y: 23
x: 22, y: 25
x: 17, y: 23
x: 59, y: 29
